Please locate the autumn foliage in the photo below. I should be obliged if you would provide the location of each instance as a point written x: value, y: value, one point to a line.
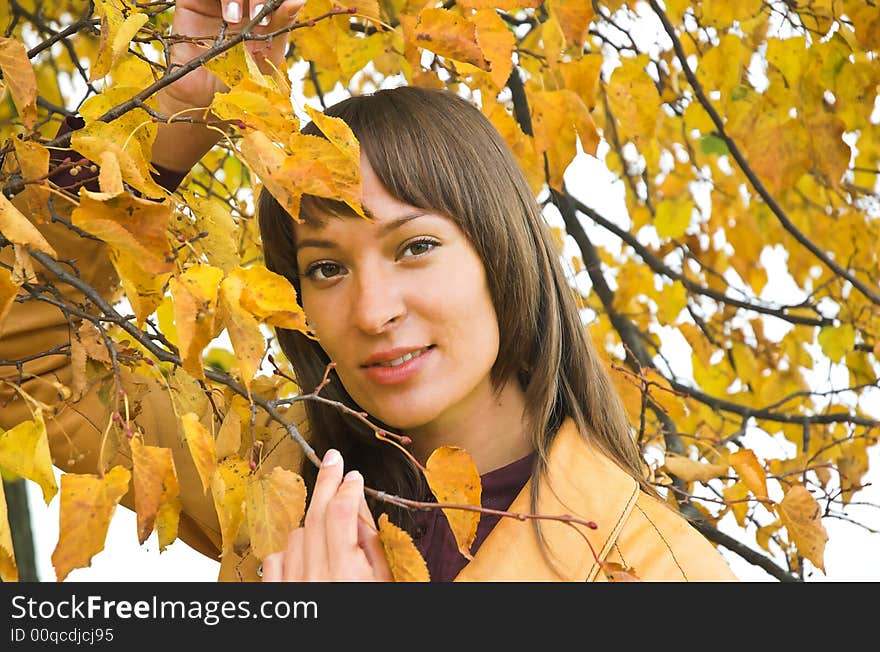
x: 745, y: 140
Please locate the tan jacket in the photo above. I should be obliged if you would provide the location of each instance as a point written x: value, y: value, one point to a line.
x: 633, y: 529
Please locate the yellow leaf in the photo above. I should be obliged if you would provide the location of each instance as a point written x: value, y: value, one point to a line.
x: 229, y: 489
x: 16, y: 228
x: 134, y: 227
x: 453, y: 478
x: 673, y: 217
x: 404, y: 559
x: 763, y: 534
x: 450, y: 35
x: 691, y: 470
x: 20, y: 79
x: 110, y: 176
x: 116, y: 34
x: 270, y: 297
x: 802, y: 517
x: 634, y: 101
x: 837, y: 341
x: 497, y: 43
x: 574, y: 17
x: 852, y: 465
x: 8, y: 569
x: 98, y: 137
x: 260, y: 108
x: 155, y: 483
x: 87, y: 506
x: 503, y: 5
x: 167, y: 522
x: 33, y: 159
x: 229, y: 436
x: 736, y: 496
x: 243, y: 329
x: 750, y: 472
x: 24, y: 450
x: 276, y: 503
x: 201, y: 448
x: 559, y: 117
x: 195, y: 305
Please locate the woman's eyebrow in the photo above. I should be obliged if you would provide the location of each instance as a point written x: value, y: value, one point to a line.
x: 387, y: 227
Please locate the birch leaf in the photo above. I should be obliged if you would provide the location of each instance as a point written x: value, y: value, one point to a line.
x: 276, y: 503
x: 404, y: 559
x: 453, y: 478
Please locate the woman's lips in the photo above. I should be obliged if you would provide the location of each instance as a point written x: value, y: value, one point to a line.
x: 401, y: 373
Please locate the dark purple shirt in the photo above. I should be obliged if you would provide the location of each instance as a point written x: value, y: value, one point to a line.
x: 434, y: 538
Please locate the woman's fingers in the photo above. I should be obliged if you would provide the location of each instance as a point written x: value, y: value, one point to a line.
x: 341, y: 525
x: 369, y: 542
x: 315, y: 538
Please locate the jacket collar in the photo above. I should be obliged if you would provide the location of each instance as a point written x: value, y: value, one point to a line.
x: 581, y: 481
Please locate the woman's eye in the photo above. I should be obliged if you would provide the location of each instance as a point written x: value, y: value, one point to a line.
x: 421, y: 247
x: 323, y: 271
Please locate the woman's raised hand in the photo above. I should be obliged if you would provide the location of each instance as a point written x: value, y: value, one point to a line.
x: 179, y: 146
x: 339, y: 541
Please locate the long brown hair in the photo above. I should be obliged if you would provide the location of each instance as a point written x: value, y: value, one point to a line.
x: 434, y: 150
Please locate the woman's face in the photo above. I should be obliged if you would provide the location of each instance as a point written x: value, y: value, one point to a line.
x: 401, y: 304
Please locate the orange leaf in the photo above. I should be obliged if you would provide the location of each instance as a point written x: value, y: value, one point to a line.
x: 453, y: 478
x: 19, y: 77
x: 404, y: 559
x: 201, y: 447
x: 750, y: 472
x: 802, y: 517
x: 155, y: 483
x: 449, y: 35
x: 497, y: 43
x: 24, y: 450
x: 8, y: 569
x: 87, y: 505
x: 275, y: 505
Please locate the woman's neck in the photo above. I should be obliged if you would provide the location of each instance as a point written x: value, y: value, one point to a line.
x: 489, y: 427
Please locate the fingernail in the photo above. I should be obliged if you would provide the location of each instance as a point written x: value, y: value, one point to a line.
x: 331, y: 457
x: 232, y: 13
x: 352, y: 476
x: 256, y: 10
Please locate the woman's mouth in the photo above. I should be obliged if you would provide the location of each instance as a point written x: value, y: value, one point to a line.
x: 399, y: 369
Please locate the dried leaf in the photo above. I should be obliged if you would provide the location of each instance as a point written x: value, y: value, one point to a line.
x: 276, y: 503
x: 453, y: 478
x: 8, y: 291
x: 87, y: 506
x: 404, y: 559
x: 802, y: 517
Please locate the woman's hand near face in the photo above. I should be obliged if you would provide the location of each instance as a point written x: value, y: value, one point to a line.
x: 339, y: 541
x: 179, y: 146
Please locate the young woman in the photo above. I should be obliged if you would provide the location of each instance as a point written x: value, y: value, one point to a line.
x: 449, y: 319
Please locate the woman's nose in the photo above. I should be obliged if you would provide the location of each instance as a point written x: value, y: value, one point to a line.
x: 379, y: 299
